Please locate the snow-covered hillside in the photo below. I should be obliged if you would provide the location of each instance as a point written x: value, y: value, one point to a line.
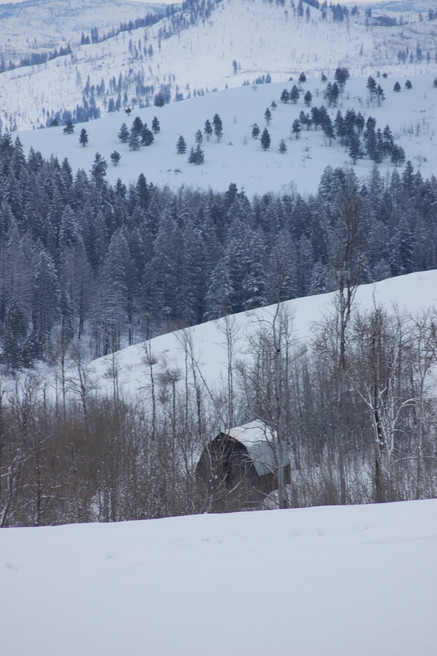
x: 201, y: 351
x: 239, y: 158
x: 330, y: 581
x: 193, y: 52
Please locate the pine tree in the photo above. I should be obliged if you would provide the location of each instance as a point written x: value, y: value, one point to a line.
x: 255, y: 131
x: 134, y: 140
x: 46, y: 300
x: 14, y: 337
x: 218, y: 126
x: 69, y: 127
x: 282, y: 147
x: 380, y: 97
x: 198, y: 137
x: 296, y: 128
x: 83, y: 138
x: 285, y: 96
x: 341, y: 77
x: 181, y: 146
x: 123, y: 135
x: 267, y: 116
x: 328, y: 128
x: 115, y: 157
x: 354, y: 147
x: 98, y: 170
x: 137, y: 126
x: 397, y: 87
x: 294, y: 94
x: 265, y: 139
x: 308, y: 97
x: 397, y: 155
x: 196, y: 156
x: 147, y: 137
x: 371, y: 86
x: 208, y: 129
x: 155, y: 125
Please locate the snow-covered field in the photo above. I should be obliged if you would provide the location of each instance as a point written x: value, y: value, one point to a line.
x: 332, y: 581
x: 238, y: 158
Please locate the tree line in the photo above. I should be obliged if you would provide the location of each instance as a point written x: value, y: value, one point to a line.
x: 111, y: 264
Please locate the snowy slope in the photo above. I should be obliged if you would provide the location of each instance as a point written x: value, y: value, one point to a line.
x: 414, y: 293
x: 261, y: 37
x: 412, y: 116
x: 330, y: 581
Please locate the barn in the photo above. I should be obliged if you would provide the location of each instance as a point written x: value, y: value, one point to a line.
x: 238, y: 467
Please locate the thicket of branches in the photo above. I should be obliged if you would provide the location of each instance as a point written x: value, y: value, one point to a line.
x: 86, y: 458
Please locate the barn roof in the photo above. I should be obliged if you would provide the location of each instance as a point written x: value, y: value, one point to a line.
x: 258, y: 438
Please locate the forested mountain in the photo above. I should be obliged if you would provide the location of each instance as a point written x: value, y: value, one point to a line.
x: 246, y: 43
x: 113, y: 264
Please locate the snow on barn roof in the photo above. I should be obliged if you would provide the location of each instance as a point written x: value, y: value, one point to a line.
x: 258, y: 438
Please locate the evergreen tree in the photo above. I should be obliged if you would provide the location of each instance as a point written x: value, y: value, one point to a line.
x: 155, y: 125
x: 397, y: 155
x: 123, y: 135
x: 159, y: 100
x: 296, y: 128
x: 198, y: 137
x: 196, y: 156
x: 69, y: 127
x: 397, y: 87
x: 208, y: 129
x: 98, y: 170
x: 83, y: 138
x: 265, y: 139
x: 328, y: 128
x: 331, y: 94
x: 115, y: 157
x: 285, y: 96
x: 134, y: 140
x: 218, y: 300
x: 294, y: 94
x: 282, y: 147
x: 371, y: 86
x: 218, y: 126
x: 147, y: 137
x: 46, y: 300
x: 380, y: 97
x: 181, y: 146
x: 354, y: 147
x: 255, y: 131
x: 308, y: 98
x: 341, y: 77
x: 267, y: 116
x: 15, y: 337
x: 137, y: 126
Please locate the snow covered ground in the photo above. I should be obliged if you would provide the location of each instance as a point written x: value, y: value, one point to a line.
x: 332, y: 581
x: 413, y: 293
x: 238, y: 158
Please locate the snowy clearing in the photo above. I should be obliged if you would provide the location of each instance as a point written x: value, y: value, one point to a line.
x: 330, y: 581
